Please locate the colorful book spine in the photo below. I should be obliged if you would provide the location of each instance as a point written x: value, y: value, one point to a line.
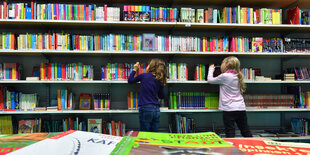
x: 300, y: 126
x: 117, y: 71
x: 7, y: 41
x: 200, y: 72
x: 184, y: 124
x: 65, y: 99
x: 147, y: 13
x: 270, y: 100
x: 177, y: 72
x: 193, y: 100
x: 59, y: 71
x: 129, y: 42
x: 10, y: 71
x: 115, y: 128
x: 132, y: 100
x: 248, y: 73
x: 102, y: 101
x: 6, y: 125
x: 17, y: 101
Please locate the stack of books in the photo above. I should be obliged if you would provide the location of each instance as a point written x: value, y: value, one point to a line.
x: 289, y: 77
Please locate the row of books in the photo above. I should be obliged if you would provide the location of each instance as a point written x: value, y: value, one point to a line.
x: 14, y: 100
x: 119, y: 71
x: 301, y: 73
x: 297, y: 16
x: 6, y: 125
x: 184, y: 124
x: 115, y: 128
x: 65, y: 99
x: 29, y: 126
x: 93, y: 12
x: 54, y: 11
x: 52, y: 126
x: 241, y: 15
x: 248, y: 73
x: 102, y: 101
x: 286, y: 100
x: 177, y: 71
x: 10, y: 71
x: 193, y: 100
x: 255, y: 44
x: 300, y: 126
x: 66, y: 41
x: 200, y: 72
x: 148, y: 13
x: 132, y: 100
x: 296, y: 45
x: 304, y: 99
x: 62, y: 71
x: 149, y: 42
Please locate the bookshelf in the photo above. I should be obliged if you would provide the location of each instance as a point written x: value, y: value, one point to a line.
x: 273, y: 63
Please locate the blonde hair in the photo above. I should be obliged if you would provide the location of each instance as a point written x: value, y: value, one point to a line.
x: 158, y: 68
x: 234, y: 64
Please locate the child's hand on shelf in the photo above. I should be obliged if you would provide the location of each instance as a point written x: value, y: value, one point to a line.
x: 212, y: 66
x: 136, y: 66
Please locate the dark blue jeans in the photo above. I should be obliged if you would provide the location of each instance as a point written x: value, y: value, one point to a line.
x: 149, y: 118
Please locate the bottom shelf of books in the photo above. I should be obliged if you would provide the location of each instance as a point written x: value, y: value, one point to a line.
x: 135, y: 142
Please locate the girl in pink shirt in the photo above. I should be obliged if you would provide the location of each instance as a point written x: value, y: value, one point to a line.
x: 231, y: 101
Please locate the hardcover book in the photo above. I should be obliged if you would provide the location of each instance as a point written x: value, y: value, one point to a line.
x: 148, y: 42
x: 85, y: 101
x: 95, y: 125
x: 73, y: 142
x: 25, y: 126
x: 169, y: 143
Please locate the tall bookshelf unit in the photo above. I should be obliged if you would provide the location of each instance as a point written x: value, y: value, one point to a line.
x: 207, y: 120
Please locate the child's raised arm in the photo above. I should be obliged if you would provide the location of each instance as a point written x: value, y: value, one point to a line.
x: 214, y: 80
x: 132, y: 78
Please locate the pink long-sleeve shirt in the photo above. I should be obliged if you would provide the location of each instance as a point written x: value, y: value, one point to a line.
x: 230, y: 95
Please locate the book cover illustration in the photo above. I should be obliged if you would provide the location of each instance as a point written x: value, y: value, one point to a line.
x: 257, y: 44
x: 148, y: 42
x: 73, y: 142
x: 25, y: 126
x: 141, y: 143
x: 85, y: 100
x: 95, y: 125
x: 13, y: 142
x: 254, y: 146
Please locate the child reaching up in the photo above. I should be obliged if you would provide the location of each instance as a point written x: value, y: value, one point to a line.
x: 231, y: 101
x: 152, y: 88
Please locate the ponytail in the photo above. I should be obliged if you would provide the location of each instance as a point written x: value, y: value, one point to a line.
x: 241, y: 82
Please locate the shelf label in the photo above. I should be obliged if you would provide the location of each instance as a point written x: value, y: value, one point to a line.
x: 188, y: 25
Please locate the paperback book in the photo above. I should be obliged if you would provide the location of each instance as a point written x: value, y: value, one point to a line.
x: 168, y: 143
x: 76, y: 142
